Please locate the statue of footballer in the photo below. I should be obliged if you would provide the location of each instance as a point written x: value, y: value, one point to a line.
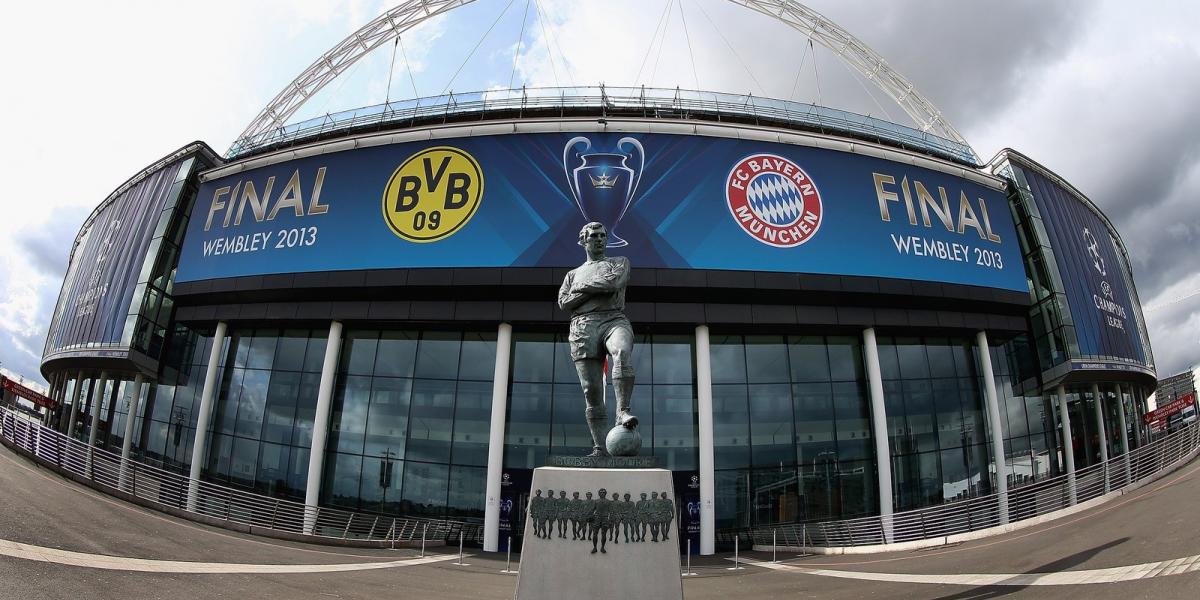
x: 594, y: 294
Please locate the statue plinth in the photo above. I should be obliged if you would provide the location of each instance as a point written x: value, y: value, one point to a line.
x: 587, y: 545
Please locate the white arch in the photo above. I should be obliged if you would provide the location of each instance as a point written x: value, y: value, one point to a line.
x: 411, y: 13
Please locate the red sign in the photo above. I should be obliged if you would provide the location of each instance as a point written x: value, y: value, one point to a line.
x: 1173, y: 407
x: 26, y: 393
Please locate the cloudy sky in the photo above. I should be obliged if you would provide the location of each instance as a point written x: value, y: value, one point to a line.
x: 1101, y: 94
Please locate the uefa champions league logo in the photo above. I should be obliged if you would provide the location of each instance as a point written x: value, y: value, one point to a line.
x: 604, y: 183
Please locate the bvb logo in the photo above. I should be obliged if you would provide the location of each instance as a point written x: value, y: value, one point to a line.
x: 433, y: 194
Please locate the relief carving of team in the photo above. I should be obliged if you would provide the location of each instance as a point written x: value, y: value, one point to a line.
x: 602, y: 519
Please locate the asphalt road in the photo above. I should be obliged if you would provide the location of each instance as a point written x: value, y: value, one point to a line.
x: 1155, y: 523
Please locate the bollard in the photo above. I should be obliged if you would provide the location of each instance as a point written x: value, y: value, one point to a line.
x: 689, y: 559
x: 736, y: 565
x: 460, y: 550
x: 508, y: 560
x: 773, y: 545
x: 424, y: 529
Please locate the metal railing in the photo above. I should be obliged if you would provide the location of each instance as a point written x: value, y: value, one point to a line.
x: 1026, y: 502
x: 105, y: 471
x: 602, y: 100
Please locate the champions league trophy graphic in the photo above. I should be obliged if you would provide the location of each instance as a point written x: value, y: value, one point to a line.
x: 603, y: 183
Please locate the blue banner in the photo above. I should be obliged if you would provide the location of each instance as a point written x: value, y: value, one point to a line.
x: 1097, y: 282
x: 670, y: 201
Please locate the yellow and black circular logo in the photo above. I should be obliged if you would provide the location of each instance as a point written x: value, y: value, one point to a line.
x: 432, y: 194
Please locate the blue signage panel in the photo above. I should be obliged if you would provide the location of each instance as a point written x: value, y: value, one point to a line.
x: 97, y: 294
x: 1096, y: 281
x: 671, y: 201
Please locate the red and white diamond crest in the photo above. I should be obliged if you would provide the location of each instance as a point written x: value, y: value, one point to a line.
x: 773, y: 200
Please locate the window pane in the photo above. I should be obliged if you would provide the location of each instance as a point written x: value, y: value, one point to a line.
x: 358, y: 353
x: 853, y: 422
x: 675, y: 430
x: 533, y: 358
x: 478, y: 362
x: 281, y: 407
x: 845, y: 358
x: 262, y: 349
x: 731, y: 430
x: 243, y: 462
x: 472, y: 421
x: 771, y: 424
x: 342, y: 473
x: 467, y: 491
x: 396, y: 354
x: 431, y: 420
x: 570, y: 434
x: 349, y: 414
x: 254, y: 399
x: 766, y: 359
x: 306, y: 408
x: 424, y: 490
x: 728, y: 358
x: 808, y: 358
x: 672, y: 359
x: 290, y: 353
x: 387, y: 418
x: 814, y: 423
x: 272, y: 469
x: 527, y: 428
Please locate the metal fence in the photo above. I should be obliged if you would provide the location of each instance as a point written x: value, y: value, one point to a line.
x: 1026, y: 502
x: 641, y: 102
x: 159, y: 488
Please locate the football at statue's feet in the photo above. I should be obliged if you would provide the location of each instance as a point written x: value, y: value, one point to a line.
x: 623, y: 441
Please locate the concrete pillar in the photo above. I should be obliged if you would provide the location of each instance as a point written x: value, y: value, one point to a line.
x: 704, y: 409
x: 992, y: 402
x: 127, y: 442
x: 495, y: 463
x: 316, y: 454
x: 1124, y: 433
x: 1064, y: 417
x: 206, y: 403
x: 879, y: 431
x: 75, y: 405
x: 1137, y: 416
x: 97, y: 403
x: 1102, y: 432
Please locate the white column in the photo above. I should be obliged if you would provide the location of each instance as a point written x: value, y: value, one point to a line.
x: 495, y: 464
x: 206, y: 403
x: 316, y: 454
x: 1137, y: 415
x: 883, y: 453
x: 78, y: 393
x: 1064, y: 417
x: 127, y: 442
x: 1103, y: 432
x: 993, y: 409
x: 704, y: 408
x: 1124, y: 433
x: 97, y: 401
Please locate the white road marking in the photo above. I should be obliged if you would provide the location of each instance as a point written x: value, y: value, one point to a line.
x: 1186, y: 564
x: 121, y: 563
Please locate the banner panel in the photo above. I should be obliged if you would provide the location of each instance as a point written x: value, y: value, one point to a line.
x: 100, y: 283
x: 669, y: 201
x: 1103, y: 309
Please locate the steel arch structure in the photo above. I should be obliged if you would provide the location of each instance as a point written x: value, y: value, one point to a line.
x: 393, y: 23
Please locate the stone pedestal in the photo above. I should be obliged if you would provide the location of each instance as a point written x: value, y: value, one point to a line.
x: 557, y: 558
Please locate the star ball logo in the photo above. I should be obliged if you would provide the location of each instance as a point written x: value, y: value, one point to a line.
x: 432, y: 194
x: 773, y: 200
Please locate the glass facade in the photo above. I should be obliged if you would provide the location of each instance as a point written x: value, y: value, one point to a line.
x: 546, y: 406
x: 935, y: 420
x: 791, y: 430
x: 409, y: 424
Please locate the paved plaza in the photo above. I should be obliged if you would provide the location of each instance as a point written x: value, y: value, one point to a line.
x: 62, y: 540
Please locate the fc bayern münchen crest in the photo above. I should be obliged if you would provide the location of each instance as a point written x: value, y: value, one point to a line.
x: 773, y: 200
x: 604, y: 183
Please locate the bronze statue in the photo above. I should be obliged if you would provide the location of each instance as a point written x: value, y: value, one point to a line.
x: 594, y: 293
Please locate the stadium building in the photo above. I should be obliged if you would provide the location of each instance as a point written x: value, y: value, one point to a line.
x: 836, y: 316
